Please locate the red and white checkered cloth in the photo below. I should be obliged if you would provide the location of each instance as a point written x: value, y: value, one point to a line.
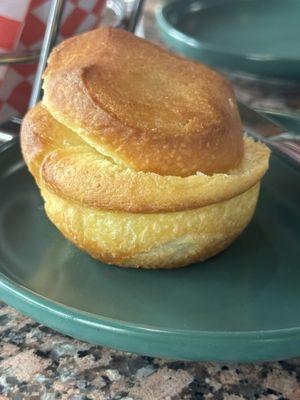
x: 22, y: 27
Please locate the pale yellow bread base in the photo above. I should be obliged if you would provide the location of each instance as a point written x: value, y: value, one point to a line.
x: 157, y: 240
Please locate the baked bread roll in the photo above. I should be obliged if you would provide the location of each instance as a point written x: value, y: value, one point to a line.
x: 139, y: 154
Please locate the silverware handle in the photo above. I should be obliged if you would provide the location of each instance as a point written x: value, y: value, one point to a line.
x: 6, y: 137
x: 119, y: 9
x: 52, y: 27
x: 135, y: 15
x: 16, y: 57
x: 290, y: 148
x: 8, y: 131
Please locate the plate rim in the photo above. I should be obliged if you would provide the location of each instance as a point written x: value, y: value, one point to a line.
x: 202, y: 345
x: 171, y: 31
x: 21, y: 291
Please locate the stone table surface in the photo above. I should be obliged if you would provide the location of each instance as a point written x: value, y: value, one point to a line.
x: 39, y: 363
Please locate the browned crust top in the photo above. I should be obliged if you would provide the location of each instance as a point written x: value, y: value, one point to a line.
x: 142, y: 106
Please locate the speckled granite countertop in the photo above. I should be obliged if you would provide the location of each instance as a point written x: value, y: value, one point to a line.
x: 38, y: 363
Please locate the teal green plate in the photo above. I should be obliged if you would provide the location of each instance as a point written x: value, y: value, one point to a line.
x: 242, y: 305
x: 257, y: 37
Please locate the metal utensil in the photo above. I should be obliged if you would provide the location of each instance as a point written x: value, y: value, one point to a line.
x: 50, y: 37
x: 19, y: 57
x: 52, y: 27
x: 135, y: 15
x: 8, y: 131
x: 270, y: 133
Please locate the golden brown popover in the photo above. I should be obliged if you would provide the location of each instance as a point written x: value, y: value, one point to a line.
x: 139, y: 153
